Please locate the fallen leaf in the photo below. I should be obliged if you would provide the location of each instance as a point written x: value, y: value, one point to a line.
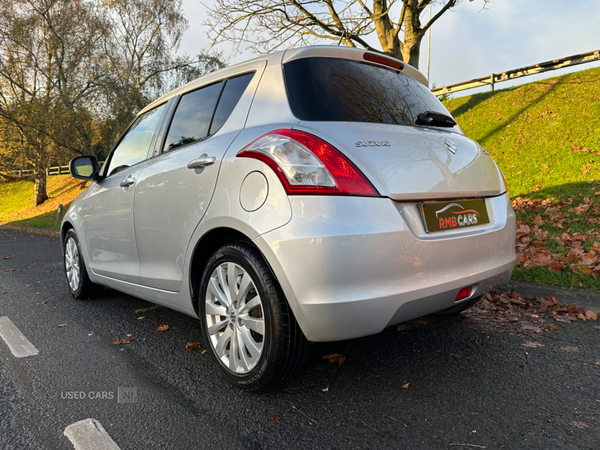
x: 161, y: 328
x: 556, y: 266
x: 591, y: 315
x: 203, y: 352
x: 570, y: 349
x: 274, y: 418
x: 551, y: 326
x: 63, y: 325
x: 579, y: 425
x: 192, y: 345
x: 11, y: 270
x: 335, y: 358
x: 326, y: 389
x: 403, y: 327
x: 405, y: 386
x: 45, y: 301
x: 532, y: 344
x: 142, y: 317
x: 127, y: 340
x: 6, y: 257
x: 544, y: 166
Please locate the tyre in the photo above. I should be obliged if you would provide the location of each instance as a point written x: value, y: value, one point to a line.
x: 78, y: 281
x: 458, y: 308
x: 247, y: 323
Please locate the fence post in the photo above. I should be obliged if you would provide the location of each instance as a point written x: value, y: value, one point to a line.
x: 492, y: 81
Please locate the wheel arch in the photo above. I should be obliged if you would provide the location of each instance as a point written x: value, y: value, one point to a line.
x: 204, y: 249
x: 66, y: 226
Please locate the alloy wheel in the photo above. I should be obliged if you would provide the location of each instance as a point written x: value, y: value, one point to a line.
x: 72, y: 264
x: 234, y: 318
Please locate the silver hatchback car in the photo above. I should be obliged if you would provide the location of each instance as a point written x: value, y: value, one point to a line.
x: 316, y: 194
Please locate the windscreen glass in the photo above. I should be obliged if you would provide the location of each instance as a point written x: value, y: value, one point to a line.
x: 341, y: 90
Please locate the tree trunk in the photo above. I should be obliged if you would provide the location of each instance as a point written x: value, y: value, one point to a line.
x: 388, y: 37
x: 411, y: 50
x: 413, y: 33
x: 40, y: 192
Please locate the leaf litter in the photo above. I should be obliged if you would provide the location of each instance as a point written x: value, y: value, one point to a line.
x: 518, y: 313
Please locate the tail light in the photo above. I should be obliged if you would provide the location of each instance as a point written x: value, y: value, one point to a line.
x: 307, y: 165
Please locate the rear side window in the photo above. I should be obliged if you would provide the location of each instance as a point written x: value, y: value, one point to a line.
x: 340, y: 90
x: 192, y: 117
x: 234, y: 88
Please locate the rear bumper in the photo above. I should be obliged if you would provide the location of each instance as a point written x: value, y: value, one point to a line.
x: 351, y: 267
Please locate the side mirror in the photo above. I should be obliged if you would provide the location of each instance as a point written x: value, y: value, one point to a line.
x: 85, y: 168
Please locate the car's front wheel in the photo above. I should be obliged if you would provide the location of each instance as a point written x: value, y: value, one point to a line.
x: 78, y: 281
x: 246, y: 321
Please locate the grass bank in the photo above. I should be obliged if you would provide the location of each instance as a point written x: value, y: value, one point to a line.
x: 545, y: 136
x: 16, y: 201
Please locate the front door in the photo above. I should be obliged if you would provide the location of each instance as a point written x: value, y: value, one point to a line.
x: 108, y: 208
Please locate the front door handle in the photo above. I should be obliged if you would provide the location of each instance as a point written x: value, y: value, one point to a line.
x: 127, y: 181
x: 202, y: 161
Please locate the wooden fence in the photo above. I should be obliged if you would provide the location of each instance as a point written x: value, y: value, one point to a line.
x: 494, y: 78
x: 22, y: 173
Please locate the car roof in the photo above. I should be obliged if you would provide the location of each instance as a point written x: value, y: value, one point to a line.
x: 282, y: 57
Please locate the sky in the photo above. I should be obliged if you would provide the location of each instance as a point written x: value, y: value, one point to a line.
x: 470, y: 42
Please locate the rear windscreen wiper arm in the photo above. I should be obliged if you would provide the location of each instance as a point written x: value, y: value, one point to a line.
x: 435, y: 119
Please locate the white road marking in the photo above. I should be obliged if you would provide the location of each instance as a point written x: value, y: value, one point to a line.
x: 89, y: 434
x: 19, y: 345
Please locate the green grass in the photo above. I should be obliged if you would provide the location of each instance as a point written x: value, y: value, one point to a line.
x: 545, y: 137
x: 528, y: 127
x: 16, y: 202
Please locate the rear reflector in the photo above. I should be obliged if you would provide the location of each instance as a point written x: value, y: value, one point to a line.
x: 463, y: 293
x: 380, y: 59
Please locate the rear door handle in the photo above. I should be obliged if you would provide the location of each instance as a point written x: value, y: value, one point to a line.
x: 202, y: 161
x: 127, y: 181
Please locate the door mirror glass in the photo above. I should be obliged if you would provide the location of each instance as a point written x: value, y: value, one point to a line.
x: 84, y: 167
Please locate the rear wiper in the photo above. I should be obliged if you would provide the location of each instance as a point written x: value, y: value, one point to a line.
x: 435, y: 119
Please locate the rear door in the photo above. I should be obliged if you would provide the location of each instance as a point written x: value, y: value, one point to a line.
x: 108, y: 208
x: 175, y: 188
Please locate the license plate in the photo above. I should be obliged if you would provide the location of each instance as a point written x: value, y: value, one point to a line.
x: 457, y: 214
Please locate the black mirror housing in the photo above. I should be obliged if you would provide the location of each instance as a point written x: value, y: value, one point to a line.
x: 85, y: 167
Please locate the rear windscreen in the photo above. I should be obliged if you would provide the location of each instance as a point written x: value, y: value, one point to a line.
x: 341, y: 90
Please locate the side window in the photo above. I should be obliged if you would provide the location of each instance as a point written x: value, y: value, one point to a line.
x: 234, y: 88
x: 134, y: 146
x: 192, y: 117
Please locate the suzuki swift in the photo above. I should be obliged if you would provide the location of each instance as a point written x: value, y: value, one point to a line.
x: 315, y: 194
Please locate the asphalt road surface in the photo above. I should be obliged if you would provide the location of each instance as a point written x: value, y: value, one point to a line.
x: 442, y: 383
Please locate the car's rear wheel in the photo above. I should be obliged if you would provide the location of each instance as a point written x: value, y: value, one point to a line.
x: 78, y: 281
x: 247, y: 323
